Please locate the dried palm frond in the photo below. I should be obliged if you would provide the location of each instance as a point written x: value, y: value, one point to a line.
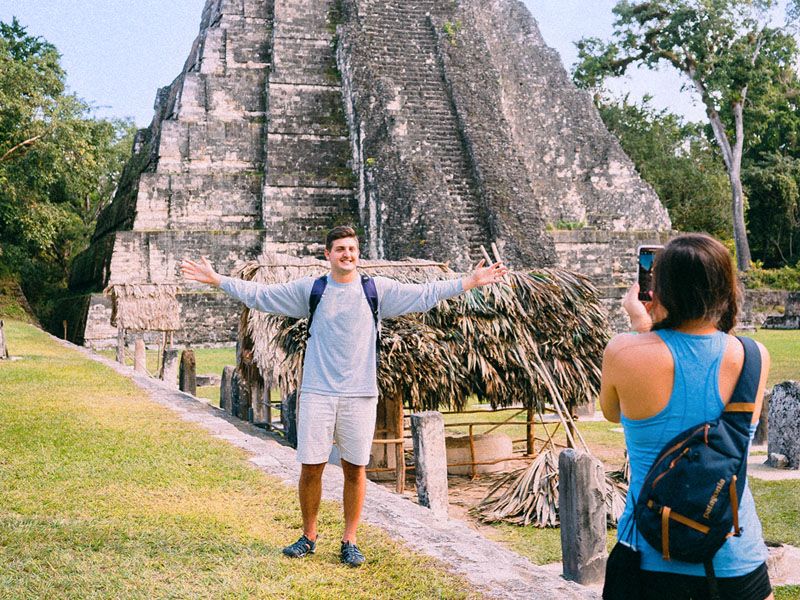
x: 616, y: 494
x: 534, y: 340
x: 527, y: 496
x: 622, y: 475
x: 144, y: 307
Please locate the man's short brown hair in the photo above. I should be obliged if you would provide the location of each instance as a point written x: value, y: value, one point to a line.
x: 337, y: 233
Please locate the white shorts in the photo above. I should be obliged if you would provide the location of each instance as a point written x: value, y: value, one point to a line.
x: 349, y: 422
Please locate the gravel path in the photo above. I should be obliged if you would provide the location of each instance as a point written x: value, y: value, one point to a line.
x: 491, y: 568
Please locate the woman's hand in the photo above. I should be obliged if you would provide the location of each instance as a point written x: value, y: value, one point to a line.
x: 638, y: 311
x: 200, y: 271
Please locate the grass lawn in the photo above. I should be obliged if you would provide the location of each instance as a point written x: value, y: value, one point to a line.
x: 209, y: 361
x: 105, y: 494
x: 784, y: 349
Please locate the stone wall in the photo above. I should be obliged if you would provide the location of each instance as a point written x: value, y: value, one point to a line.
x: 309, y: 184
x: 417, y: 194
x: 609, y: 259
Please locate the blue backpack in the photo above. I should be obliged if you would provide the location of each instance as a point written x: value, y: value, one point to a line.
x: 370, y: 291
x: 689, y: 503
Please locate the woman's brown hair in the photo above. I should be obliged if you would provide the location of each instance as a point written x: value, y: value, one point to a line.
x: 694, y: 279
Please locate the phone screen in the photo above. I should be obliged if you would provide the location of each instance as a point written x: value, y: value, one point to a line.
x: 647, y: 258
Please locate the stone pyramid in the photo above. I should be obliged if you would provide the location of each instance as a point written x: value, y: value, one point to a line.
x: 435, y: 126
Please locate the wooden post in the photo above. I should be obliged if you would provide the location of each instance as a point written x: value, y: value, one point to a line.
x: 399, y: 455
x: 394, y: 426
x: 120, y: 345
x: 64, y: 324
x: 139, y: 356
x: 531, y: 438
x: 161, y: 348
x: 267, y: 402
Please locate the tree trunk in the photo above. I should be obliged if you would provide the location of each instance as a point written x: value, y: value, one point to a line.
x: 733, y: 165
x: 743, y: 257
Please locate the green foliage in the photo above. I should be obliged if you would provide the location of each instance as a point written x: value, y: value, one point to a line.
x: 563, y: 225
x: 451, y: 29
x: 773, y: 187
x: 784, y: 278
x: 58, y: 166
x: 729, y: 52
x: 677, y: 160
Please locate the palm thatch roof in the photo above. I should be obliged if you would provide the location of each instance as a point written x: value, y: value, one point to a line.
x: 145, y: 307
x: 535, y: 340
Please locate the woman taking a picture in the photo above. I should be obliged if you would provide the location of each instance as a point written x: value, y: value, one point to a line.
x: 680, y: 371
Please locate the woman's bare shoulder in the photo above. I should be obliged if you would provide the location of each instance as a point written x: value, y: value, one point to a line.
x: 626, y: 344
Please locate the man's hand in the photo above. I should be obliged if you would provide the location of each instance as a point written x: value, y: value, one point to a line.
x: 200, y: 271
x: 638, y: 311
x: 484, y: 275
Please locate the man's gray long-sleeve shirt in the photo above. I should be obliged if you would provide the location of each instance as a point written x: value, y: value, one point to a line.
x: 340, y: 357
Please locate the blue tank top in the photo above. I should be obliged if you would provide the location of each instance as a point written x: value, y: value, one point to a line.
x: 695, y: 398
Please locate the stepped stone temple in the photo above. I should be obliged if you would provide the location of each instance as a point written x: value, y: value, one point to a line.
x: 435, y: 126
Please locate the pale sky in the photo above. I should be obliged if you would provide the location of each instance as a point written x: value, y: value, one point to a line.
x: 117, y: 53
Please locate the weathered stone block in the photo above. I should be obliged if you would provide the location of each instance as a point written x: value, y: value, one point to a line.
x: 582, y: 512
x: 784, y: 422
x: 289, y: 418
x: 3, y: 347
x: 430, y: 459
x: 762, y: 431
x: 226, y: 389
x: 188, y: 370
x: 170, y: 367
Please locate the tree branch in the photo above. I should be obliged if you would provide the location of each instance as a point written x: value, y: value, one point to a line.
x: 25, y: 144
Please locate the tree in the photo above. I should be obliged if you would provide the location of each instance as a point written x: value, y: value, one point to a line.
x: 725, y: 48
x: 58, y: 166
x: 774, y: 190
x: 675, y: 158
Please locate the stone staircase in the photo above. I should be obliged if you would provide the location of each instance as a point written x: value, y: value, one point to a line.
x: 309, y: 180
x: 403, y: 45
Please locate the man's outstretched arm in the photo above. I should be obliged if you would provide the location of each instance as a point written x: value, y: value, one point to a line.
x: 402, y: 298
x: 288, y: 299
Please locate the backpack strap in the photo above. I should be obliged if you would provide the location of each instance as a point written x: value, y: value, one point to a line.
x: 743, y: 401
x: 316, y: 295
x: 371, y: 292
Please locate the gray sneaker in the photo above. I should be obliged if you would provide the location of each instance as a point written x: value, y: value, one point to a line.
x: 351, y: 555
x: 300, y: 548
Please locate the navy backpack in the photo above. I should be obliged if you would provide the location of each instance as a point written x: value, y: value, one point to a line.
x: 370, y: 291
x: 689, y: 503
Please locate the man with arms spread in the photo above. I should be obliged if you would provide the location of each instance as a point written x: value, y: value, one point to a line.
x: 339, y: 391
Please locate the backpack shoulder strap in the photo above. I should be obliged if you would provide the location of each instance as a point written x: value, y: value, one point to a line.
x: 738, y: 412
x: 749, y: 378
x: 371, y: 292
x: 316, y: 295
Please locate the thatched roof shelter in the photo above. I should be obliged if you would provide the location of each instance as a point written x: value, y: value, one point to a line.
x: 536, y: 339
x: 145, y: 307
